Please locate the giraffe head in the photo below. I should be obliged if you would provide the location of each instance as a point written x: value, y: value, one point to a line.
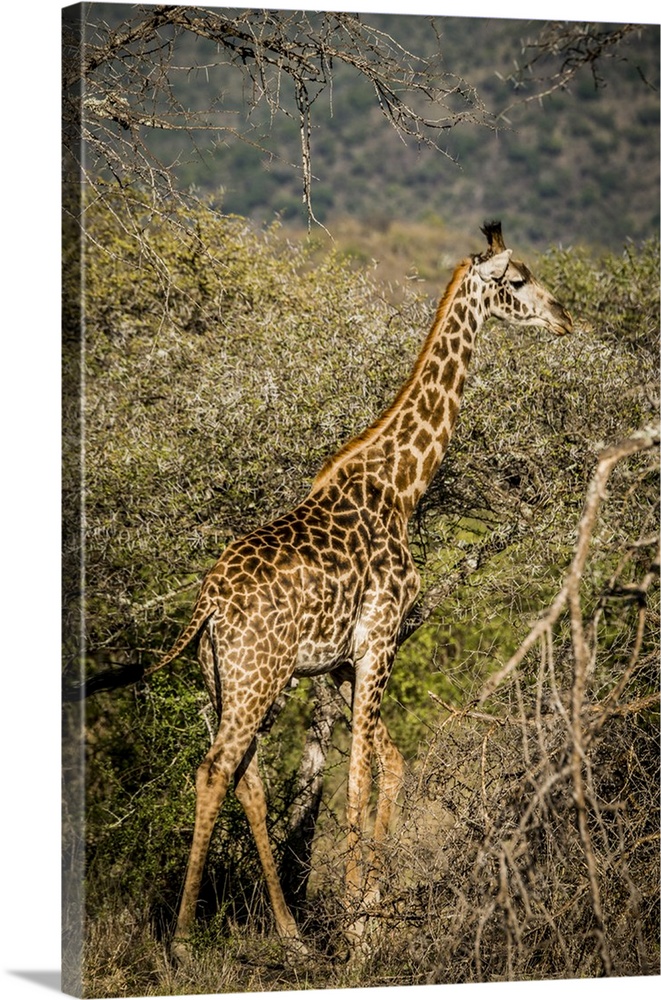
x: 511, y: 292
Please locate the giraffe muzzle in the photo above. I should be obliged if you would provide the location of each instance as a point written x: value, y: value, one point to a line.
x: 562, y: 321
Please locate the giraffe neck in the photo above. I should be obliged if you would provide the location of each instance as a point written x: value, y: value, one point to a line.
x: 406, y: 445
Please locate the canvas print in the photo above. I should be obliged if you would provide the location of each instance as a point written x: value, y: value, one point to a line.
x: 360, y: 500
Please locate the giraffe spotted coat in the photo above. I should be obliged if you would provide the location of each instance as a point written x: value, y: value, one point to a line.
x: 325, y: 587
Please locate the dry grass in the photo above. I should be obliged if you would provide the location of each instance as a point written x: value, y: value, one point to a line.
x: 487, y: 878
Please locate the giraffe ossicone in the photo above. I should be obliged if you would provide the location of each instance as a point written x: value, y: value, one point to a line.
x: 325, y: 587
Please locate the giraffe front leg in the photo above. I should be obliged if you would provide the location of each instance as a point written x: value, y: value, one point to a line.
x: 390, y: 777
x: 365, y: 861
x: 371, y: 677
x: 357, y: 801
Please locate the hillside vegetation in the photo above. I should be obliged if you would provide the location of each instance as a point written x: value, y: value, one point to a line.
x: 222, y: 364
x: 578, y: 166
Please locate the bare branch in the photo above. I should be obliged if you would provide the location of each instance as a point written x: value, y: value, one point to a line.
x: 569, y: 593
x: 560, y: 51
x: 121, y: 83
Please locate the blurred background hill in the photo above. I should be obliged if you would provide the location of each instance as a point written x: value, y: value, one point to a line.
x: 578, y: 166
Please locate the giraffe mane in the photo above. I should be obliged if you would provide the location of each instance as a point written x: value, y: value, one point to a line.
x: 357, y: 442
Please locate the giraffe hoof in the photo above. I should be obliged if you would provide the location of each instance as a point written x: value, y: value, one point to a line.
x: 181, y: 951
x: 296, y: 948
x: 342, y: 951
x: 355, y: 933
x: 357, y: 943
x: 346, y: 944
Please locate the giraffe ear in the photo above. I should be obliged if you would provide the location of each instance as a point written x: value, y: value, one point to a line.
x: 494, y: 267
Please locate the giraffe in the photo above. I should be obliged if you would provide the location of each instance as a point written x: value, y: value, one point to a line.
x: 325, y: 587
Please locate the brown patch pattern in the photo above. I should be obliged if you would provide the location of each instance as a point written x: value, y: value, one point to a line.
x: 325, y: 587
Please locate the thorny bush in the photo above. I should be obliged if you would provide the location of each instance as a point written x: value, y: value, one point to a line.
x: 221, y: 366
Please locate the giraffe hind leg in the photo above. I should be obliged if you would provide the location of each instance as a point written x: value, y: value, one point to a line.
x: 250, y: 793
x: 249, y: 790
x: 212, y: 781
x: 232, y: 755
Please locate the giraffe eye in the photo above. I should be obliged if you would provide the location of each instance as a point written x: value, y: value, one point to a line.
x: 518, y: 283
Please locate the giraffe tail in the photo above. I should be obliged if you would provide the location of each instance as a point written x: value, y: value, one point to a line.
x: 201, y: 613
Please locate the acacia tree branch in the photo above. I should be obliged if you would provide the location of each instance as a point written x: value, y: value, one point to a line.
x: 578, y: 767
x: 474, y: 558
x: 573, y: 46
x: 329, y: 707
x: 120, y: 88
x: 568, y: 594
